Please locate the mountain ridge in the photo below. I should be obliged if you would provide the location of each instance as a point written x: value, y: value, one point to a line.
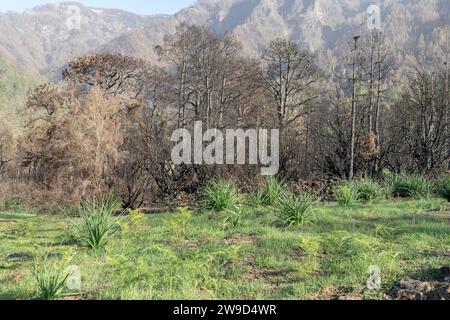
x: 319, y: 25
x: 38, y: 39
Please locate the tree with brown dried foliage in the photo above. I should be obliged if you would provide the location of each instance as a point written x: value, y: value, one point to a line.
x: 76, y: 147
x: 114, y: 73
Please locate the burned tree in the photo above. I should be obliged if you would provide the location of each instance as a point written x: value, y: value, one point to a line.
x: 116, y: 74
x: 291, y: 75
x: 418, y: 136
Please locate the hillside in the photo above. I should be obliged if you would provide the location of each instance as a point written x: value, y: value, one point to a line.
x: 323, y: 26
x: 15, y: 84
x: 41, y: 41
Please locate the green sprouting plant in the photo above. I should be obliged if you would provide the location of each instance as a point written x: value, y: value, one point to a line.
x: 132, y: 226
x: 50, y: 276
x: 272, y: 191
x: 384, y: 231
x: 310, y: 248
x: 309, y: 245
x: 368, y: 190
x: 443, y: 188
x: 345, y: 195
x: 408, y: 185
x: 98, y: 224
x: 416, y: 212
x: 220, y: 195
x: 294, y: 211
x: 180, y: 223
x: 23, y: 228
x: 230, y: 255
x: 136, y: 217
x: 72, y: 235
x: 234, y: 218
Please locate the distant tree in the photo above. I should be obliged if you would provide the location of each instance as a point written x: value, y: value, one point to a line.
x: 210, y: 81
x: 118, y: 75
x: 376, y: 69
x: 292, y: 76
x: 418, y: 137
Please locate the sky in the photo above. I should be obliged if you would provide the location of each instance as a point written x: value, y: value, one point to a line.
x: 144, y: 7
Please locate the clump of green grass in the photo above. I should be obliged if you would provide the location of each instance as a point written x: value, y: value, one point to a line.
x: 50, y: 277
x: 220, y: 195
x: 293, y: 210
x: 234, y: 218
x: 345, y: 195
x: 255, y: 199
x: 408, y: 185
x: 368, y: 190
x: 98, y: 224
x: 272, y: 191
x: 443, y: 188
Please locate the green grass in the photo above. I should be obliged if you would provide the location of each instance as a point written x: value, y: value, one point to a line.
x: 408, y: 185
x: 293, y: 210
x: 272, y: 191
x: 50, y: 276
x: 221, y: 195
x: 368, y: 190
x: 443, y: 188
x: 98, y: 223
x: 190, y: 255
x: 345, y: 195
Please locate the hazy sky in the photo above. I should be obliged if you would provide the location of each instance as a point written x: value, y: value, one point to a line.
x: 137, y: 6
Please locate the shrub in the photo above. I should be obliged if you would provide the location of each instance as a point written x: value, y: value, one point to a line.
x: 408, y: 185
x: 345, y: 195
x: 368, y: 190
x: 272, y: 191
x: 98, y: 224
x: 220, y: 195
x: 50, y: 277
x: 292, y: 210
x: 444, y: 188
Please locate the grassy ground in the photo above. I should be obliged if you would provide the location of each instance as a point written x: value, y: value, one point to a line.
x: 169, y: 256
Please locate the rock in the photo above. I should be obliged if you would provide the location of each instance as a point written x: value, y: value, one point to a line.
x: 412, y: 290
x: 445, y: 271
x: 441, y: 292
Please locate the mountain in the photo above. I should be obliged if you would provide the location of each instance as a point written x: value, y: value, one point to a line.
x: 40, y: 41
x: 43, y: 38
x: 323, y: 26
x: 15, y: 84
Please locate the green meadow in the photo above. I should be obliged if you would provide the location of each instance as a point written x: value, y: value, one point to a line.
x: 204, y: 254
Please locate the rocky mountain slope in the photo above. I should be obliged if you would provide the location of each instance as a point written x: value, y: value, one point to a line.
x: 412, y: 27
